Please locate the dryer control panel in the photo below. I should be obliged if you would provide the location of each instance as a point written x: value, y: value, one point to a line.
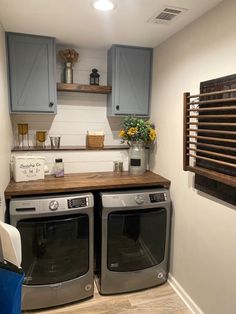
x: 157, y: 197
x: 135, y: 198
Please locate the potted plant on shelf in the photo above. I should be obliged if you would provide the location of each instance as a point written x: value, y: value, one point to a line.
x: 70, y: 57
x: 137, y: 133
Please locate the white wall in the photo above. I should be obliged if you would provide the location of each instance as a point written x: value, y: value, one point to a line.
x: 203, y: 255
x: 5, y: 125
x: 78, y: 113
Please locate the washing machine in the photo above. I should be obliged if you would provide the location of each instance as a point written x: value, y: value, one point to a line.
x: 134, y: 228
x: 57, y: 248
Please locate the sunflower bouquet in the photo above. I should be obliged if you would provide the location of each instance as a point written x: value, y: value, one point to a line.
x: 137, y: 130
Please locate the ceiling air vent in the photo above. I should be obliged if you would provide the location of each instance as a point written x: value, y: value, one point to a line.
x: 167, y: 15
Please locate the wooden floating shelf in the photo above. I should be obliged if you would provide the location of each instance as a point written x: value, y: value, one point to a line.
x: 67, y: 148
x: 93, y: 89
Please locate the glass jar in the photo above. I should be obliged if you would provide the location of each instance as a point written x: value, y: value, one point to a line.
x: 59, y: 168
x: 137, y: 158
x: 23, y: 135
x: 41, y: 138
x: 118, y: 166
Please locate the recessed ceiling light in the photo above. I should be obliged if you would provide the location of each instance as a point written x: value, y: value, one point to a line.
x: 103, y: 5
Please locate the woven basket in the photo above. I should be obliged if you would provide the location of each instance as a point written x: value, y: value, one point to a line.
x: 95, y: 141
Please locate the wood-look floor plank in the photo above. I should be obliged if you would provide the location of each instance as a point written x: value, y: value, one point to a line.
x: 158, y: 300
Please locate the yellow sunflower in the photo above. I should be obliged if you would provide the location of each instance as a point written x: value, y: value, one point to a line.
x: 122, y: 133
x: 152, y: 134
x: 132, y: 131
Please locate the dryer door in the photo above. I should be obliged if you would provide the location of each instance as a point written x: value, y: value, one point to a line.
x: 136, y: 239
x: 54, y: 249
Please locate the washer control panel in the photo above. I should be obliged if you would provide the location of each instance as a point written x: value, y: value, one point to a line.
x: 157, y: 197
x: 43, y: 205
x: 77, y: 202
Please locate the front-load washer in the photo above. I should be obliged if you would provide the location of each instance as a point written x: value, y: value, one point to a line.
x: 57, y: 248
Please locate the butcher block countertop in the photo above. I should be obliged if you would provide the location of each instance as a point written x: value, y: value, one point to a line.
x: 91, y: 181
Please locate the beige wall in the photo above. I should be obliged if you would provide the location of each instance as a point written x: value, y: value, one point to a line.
x: 5, y: 125
x: 203, y: 255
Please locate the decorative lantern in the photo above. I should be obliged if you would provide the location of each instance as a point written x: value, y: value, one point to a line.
x: 94, y: 77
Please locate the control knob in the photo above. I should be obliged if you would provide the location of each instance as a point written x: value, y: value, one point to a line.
x: 139, y: 199
x: 53, y: 205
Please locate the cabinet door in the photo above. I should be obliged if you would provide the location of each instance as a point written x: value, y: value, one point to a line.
x: 131, y: 79
x: 32, y: 73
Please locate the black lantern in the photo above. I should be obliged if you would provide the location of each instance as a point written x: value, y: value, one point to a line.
x: 94, y: 77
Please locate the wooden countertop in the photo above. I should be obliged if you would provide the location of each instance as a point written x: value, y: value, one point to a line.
x: 85, y: 182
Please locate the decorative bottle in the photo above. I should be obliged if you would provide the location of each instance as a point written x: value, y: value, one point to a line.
x: 68, y: 73
x: 59, y: 168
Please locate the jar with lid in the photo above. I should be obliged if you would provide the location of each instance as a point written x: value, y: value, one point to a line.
x: 59, y: 167
x: 94, y: 77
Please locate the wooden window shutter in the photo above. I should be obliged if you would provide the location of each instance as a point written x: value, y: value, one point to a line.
x: 210, y: 137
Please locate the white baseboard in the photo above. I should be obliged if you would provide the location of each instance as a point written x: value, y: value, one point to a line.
x: 184, y: 296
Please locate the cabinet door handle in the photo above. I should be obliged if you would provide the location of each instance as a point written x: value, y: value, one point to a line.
x: 117, y: 107
x: 51, y: 104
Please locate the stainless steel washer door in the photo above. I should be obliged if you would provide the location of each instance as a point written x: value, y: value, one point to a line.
x: 54, y: 249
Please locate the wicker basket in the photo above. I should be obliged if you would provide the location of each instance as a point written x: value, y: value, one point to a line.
x: 95, y: 141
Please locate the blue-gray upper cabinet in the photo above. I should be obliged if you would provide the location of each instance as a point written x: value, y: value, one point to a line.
x: 129, y: 74
x: 32, y: 67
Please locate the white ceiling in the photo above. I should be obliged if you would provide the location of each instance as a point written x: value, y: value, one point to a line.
x: 77, y: 23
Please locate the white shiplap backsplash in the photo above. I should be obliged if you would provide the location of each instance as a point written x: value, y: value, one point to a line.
x: 78, y: 113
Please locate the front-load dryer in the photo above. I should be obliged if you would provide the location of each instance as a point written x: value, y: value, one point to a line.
x: 135, y: 233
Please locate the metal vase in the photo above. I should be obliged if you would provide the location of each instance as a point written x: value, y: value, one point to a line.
x: 137, y: 158
x: 68, y: 73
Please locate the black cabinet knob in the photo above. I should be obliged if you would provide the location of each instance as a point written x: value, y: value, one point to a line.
x: 117, y: 107
x: 51, y: 104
